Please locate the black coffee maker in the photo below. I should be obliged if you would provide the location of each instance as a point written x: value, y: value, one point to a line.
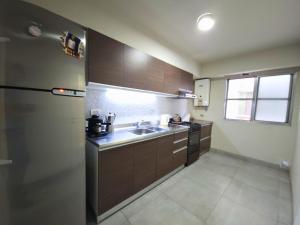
x: 97, y: 127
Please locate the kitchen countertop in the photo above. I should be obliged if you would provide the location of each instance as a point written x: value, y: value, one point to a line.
x: 202, y: 122
x: 123, y: 136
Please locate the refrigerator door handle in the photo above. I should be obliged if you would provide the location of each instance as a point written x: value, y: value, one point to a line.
x: 4, y: 162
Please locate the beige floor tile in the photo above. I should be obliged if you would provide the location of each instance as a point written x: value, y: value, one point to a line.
x: 155, y: 212
x: 170, y: 181
x: 116, y: 219
x: 267, y: 171
x: 182, y: 218
x: 285, y: 211
x: 261, y: 202
x: 285, y: 190
x: 134, y: 207
x: 230, y: 213
x: 203, y: 176
x: 219, y: 167
x: 259, y: 180
x: 195, y: 198
x: 228, y: 160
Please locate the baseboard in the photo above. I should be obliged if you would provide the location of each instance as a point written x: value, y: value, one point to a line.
x: 249, y: 159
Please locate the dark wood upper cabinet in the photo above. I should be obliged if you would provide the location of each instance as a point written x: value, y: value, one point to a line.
x: 144, y: 164
x: 172, y: 80
x: 115, y: 177
x: 155, y: 75
x: 105, y: 59
x: 135, y: 68
x: 114, y: 63
x: 187, y: 80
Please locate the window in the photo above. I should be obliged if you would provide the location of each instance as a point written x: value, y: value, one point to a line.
x: 261, y: 98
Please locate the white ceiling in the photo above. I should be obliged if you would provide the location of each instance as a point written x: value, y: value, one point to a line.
x: 241, y: 26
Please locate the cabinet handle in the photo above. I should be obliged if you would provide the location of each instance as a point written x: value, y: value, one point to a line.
x: 203, y: 139
x: 5, y: 162
x: 180, y: 140
x: 180, y: 149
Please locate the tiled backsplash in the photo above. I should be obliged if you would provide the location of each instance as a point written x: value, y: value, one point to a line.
x: 133, y: 106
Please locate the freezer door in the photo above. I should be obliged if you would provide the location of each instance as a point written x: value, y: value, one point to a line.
x: 42, y: 175
x: 37, y: 62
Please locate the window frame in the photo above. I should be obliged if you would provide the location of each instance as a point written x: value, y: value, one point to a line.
x: 255, y: 98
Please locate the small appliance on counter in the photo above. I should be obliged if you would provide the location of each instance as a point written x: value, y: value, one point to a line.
x: 164, y: 119
x: 97, y: 127
x: 176, y: 119
x: 110, y: 118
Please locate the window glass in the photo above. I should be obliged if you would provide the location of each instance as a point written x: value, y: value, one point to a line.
x: 272, y: 110
x: 274, y: 86
x: 239, y: 109
x: 241, y: 88
x: 259, y: 98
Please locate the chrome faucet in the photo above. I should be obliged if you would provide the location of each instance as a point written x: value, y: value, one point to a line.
x: 139, y: 123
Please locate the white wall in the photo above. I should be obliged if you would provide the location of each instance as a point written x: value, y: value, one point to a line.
x: 281, y: 57
x: 295, y: 176
x: 87, y: 14
x: 267, y: 142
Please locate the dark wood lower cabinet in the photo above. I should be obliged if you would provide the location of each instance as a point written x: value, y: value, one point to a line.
x: 205, y: 144
x: 206, y: 131
x: 205, y: 139
x: 179, y: 157
x: 180, y: 149
x: 115, y: 177
x: 124, y: 171
x: 164, y: 156
x: 144, y: 164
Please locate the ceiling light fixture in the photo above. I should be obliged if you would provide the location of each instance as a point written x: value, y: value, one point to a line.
x: 205, y: 22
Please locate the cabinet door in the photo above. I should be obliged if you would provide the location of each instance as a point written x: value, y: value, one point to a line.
x: 205, y: 145
x: 115, y: 177
x: 180, y: 149
x: 187, y: 81
x: 164, y: 156
x: 206, y: 131
x: 135, y: 68
x: 155, y: 75
x: 144, y: 164
x: 105, y: 59
x: 172, y: 79
x: 179, y: 157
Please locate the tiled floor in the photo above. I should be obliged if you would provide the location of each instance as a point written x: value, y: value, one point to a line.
x: 216, y: 190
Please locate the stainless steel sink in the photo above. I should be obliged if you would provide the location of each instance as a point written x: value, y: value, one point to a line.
x: 140, y: 131
x: 156, y: 129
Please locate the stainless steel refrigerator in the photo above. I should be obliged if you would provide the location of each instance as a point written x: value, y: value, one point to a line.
x: 42, y: 83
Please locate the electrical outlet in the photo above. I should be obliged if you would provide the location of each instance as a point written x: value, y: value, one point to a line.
x: 95, y: 111
x: 284, y: 164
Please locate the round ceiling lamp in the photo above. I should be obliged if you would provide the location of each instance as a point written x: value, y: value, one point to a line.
x: 205, y: 22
